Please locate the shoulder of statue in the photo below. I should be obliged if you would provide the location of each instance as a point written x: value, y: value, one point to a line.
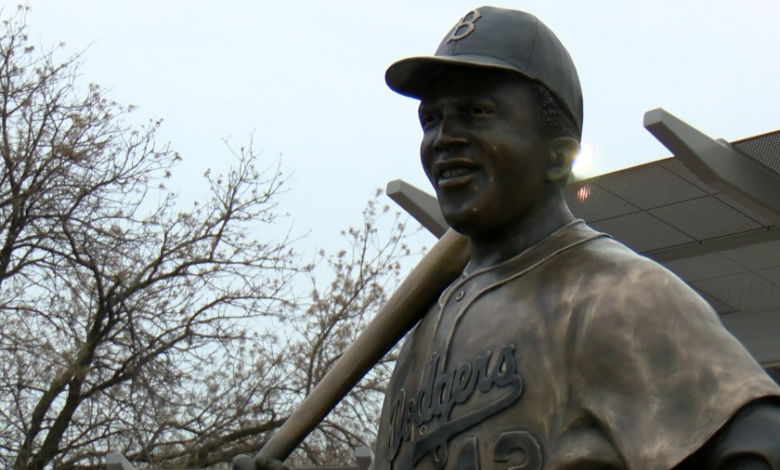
x: 607, y: 271
x: 616, y: 289
x: 749, y: 438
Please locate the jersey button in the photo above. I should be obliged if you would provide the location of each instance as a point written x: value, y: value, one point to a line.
x: 460, y: 295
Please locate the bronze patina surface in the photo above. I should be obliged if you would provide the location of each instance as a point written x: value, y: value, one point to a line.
x: 578, y: 353
x: 558, y: 348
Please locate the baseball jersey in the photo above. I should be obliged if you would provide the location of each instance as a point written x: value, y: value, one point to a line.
x: 578, y: 353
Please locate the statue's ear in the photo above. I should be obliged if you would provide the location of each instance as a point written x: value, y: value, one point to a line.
x: 563, y: 150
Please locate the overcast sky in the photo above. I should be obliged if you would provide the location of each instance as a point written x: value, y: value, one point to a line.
x: 308, y: 77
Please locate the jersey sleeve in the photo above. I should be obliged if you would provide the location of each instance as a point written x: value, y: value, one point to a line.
x: 751, y: 439
x: 653, y: 364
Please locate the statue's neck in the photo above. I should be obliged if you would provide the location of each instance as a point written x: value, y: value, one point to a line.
x: 508, y: 242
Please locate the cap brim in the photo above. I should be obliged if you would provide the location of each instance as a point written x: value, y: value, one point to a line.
x: 409, y: 77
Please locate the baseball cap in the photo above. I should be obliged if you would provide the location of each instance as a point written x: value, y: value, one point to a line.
x: 501, y: 39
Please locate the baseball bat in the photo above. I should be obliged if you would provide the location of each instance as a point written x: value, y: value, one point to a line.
x: 406, y: 306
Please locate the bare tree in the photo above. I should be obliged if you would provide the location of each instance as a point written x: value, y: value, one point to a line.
x: 128, y: 324
x: 362, y: 276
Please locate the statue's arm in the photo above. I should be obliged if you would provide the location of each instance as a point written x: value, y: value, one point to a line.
x: 750, y: 440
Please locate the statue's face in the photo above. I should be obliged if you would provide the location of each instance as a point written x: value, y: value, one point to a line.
x: 482, y: 149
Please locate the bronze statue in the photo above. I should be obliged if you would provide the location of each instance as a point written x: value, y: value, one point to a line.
x: 558, y: 347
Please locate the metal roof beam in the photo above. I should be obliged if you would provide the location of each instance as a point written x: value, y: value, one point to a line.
x: 714, y: 246
x: 719, y: 164
x: 115, y: 461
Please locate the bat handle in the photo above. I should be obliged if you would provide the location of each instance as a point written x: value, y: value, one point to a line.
x: 409, y: 303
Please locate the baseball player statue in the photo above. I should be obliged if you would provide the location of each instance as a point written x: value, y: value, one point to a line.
x: 558, y: 348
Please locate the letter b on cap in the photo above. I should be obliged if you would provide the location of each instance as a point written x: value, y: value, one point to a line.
x: 467, y: 22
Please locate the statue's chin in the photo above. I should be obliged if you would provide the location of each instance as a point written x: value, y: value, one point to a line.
x: 463, y: 223
x: 468, y: 215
